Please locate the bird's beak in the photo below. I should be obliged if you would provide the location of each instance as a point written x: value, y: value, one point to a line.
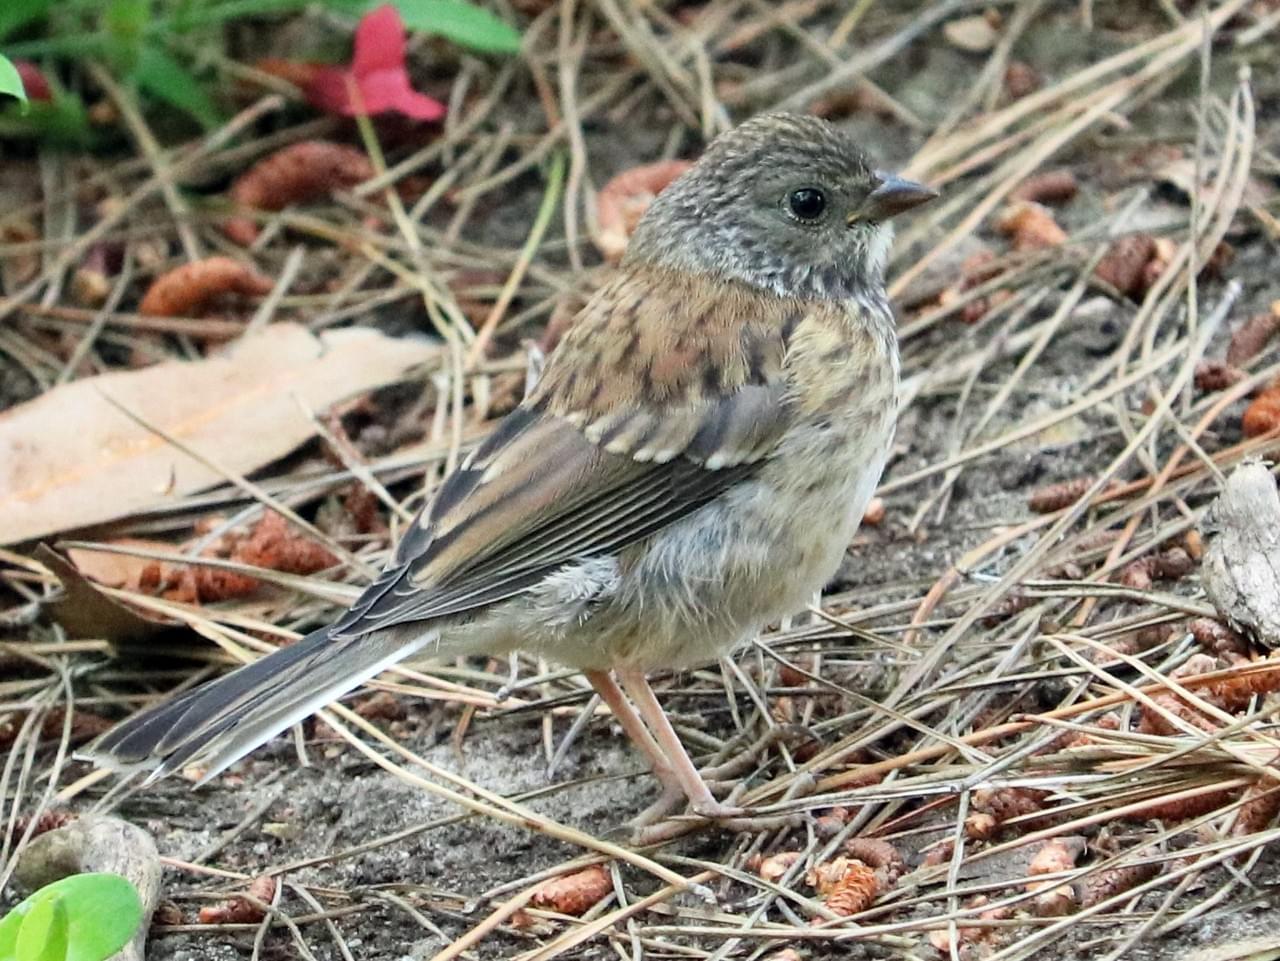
x: 893, y: 196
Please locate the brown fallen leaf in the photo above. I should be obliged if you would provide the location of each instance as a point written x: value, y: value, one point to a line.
x: 72, y: 458
x: 115, y: 570
x: 624, y: 199
x: 84, y: 611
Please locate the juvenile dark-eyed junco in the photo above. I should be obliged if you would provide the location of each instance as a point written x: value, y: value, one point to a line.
x: 690, y: 467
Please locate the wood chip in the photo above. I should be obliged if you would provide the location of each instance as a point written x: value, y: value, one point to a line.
x: 1241, y: 572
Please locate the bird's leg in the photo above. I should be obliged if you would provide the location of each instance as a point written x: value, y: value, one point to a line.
x: 701, y: 800
x: 626, y: 715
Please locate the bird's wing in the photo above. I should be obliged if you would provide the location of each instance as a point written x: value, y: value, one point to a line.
x: 657, y: 401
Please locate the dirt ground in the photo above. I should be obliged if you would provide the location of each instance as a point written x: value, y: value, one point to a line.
x: 269, y: 811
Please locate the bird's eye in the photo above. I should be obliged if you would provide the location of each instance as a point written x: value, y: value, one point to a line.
x: 807, y: 203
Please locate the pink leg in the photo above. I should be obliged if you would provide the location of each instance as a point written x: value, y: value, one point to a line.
x: 701, y: 800
x: 612, y: 695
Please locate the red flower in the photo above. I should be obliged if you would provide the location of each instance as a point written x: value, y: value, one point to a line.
x: 33, y: 81
x: 376, y: 82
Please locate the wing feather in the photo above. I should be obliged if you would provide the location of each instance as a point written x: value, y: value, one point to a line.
x: 590, y: 464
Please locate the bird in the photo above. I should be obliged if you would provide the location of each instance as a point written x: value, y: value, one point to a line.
x: 690, y: 467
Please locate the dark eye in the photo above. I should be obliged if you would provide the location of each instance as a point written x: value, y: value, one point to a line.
x: 807, y: 203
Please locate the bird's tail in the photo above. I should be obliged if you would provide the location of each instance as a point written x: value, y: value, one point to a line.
x: 220, y: 722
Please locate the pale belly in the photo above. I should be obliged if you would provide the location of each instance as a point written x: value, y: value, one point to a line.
x: 713, y: 580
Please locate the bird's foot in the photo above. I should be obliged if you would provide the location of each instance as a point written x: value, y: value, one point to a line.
x: 667, y: 804
x: 736, y: 819
x: 742, y: 762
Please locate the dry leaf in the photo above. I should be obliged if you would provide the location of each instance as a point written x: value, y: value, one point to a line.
x: 112, y: 569
x: 71, y: 458
x: 624, y: 199
x: 84, y: 611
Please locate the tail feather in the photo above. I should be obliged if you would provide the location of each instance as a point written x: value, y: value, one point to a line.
x: 222, y: 721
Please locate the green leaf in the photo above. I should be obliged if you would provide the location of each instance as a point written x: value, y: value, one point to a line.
x: 99, y: 914
x: 125, y: 23
x: 353, y: 8
x: 11, y: 82
x: 44, y: 932
x: 461, y: 22
x: 62, y: 122
x: 165, y: 79
x: 16, y: 13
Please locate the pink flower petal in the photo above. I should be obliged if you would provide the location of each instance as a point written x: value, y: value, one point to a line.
x: 379, y: 42
x: 389, y: 90
x: 377, y: 81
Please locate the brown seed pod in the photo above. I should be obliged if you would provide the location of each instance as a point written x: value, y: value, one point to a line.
x: 1193, y: 543
x: 1006, y: 803
x: 189, y: 290
x: 1233, y: 693
x: 624, y: 199
x: 45, y: 822
x: 1021, y: 79
x: 1170, y: 565
x: 1260, y: 808
x: 969, y: 937
x: 848, y: 885
x: 1050, y: 187
x: 85, y: 726
x: 980, y: 826
x: 1057, y: 496
x: 1053, y: 898
x: 295, y: 174
x: 271, y: 545
x: 1012, y: 603
x: 1030, y: 226
x: 1124, y: 264
x: 574, y: 893
x: 167, y: 915
x: 240, y: 910
x: 277, y: 546
x: 381, y: 706
x: 1262, y: 416
x: 1102, y: 885
x: 1108, y: 722
x: 941, y: 852
x: 1183, y: 808
x: 1155, y: 723
x: 1215, y: 375
x: 1220, y: 259
x: 774, y: 866
x: 873, y: 516
x: 879, y: 854
x: 1251, y: 338
x: 1218, y: 639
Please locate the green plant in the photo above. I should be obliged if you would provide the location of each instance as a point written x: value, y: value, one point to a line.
x: 455, y: 20
x: 162, y: 48
x: 10, y: 82
x: 86, y: 917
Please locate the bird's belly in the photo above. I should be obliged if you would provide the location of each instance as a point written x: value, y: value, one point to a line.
x: 695, y: 589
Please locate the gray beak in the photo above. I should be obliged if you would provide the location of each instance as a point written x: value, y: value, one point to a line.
x: 892, y: 197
